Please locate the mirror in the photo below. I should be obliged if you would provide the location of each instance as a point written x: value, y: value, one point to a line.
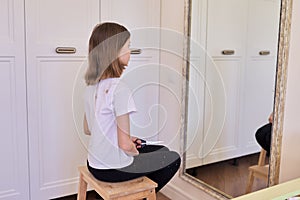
x: 236, y: 56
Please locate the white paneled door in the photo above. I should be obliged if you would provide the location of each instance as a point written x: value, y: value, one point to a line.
x: 55, y: 146
x: 261, y: 64
x: 142, y: 18
x: 226, y: 30
x: 13, y: 143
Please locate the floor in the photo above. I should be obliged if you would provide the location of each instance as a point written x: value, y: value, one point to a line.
x: 92, y: 195
x: 230, y: 176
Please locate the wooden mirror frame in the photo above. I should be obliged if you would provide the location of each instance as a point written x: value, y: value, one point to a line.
x: 278, y: 109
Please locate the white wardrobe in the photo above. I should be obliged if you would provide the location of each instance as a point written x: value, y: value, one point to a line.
x: 13, y: 117
x: 232, y: 77
x: 43, y: 51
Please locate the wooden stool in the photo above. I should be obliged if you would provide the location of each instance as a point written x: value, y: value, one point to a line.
x: 261, y: 170
x: 139, y: 188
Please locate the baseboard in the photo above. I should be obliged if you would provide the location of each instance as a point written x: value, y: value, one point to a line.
x: 175, y: 193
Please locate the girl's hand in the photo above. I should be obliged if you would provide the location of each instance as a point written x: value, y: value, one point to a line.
x: 133, y: 151
x: 137, y: 142
x: 271, y: 118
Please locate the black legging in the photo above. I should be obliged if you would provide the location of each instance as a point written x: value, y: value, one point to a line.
x: 156, y: 162
x: 263, y: 137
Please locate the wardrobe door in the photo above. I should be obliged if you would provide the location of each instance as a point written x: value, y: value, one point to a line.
x: 13, y: 144
x: 56, y: 146
x: 142, y: 18
x: 260, y: 69
x: 226, y: 27
x: 226, y: 31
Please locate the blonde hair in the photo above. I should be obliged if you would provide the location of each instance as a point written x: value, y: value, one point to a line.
x: 105, y: 43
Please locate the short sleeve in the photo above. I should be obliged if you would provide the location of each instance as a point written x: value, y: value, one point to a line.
x: 123, y: 101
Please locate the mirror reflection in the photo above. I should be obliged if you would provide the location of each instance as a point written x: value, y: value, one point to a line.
x: 232, y: 69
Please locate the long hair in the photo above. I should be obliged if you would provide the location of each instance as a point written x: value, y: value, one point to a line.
x: 105, y: 43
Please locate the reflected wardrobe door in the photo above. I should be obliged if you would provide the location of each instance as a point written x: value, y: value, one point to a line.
x: 226, y: 31
x: 57, y: 33
x: 260, y: 70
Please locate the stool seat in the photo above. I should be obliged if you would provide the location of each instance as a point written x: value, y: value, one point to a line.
x: 139, y: 188
x: 261, y: 170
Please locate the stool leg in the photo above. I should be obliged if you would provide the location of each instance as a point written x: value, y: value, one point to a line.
x: 82, y: 188
x: 250, y: 182
x: 152, y: 196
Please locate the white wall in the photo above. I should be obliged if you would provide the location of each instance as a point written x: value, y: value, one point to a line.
x: 290, y: 159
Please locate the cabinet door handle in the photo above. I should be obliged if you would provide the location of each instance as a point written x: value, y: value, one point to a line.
x: 65, y: 50
x: 264, y: 53
x: 135, y: 51
x: 228, y: 52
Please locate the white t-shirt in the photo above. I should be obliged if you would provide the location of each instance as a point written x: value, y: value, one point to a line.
x: 103, y: 103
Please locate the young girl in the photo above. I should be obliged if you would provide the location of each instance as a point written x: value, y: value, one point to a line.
x: 114, y: 155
